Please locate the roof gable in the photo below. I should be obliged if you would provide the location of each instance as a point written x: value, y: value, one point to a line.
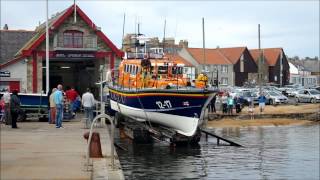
x: 233, y: 54
x: 271, y: 55
x: 55, y: 22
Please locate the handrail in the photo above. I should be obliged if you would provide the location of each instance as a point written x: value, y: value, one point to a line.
x: 112, y: 137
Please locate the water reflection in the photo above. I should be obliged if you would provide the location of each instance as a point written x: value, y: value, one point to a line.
x: 283, y: 152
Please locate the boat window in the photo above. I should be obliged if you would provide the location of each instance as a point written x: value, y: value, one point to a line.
x: 162, y: 69
x: 125, y: 68
x: 134, y: 69
x: 176, y: 70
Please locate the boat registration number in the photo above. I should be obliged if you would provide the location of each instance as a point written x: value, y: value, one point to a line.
x: 163, y: 105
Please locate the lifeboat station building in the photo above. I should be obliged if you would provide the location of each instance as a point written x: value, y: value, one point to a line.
x: 79, y: 54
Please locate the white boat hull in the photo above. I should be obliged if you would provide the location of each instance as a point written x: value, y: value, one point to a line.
x: 183, y: 125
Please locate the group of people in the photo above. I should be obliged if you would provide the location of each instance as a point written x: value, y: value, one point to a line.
x: 230, y: 103
x: 10, y: 103
x: 11, y: 106
x: 57, y: 99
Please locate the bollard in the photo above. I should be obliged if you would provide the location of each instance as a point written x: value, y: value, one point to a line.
x: 95, y: 145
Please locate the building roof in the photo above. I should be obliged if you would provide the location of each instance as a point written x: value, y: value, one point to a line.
x: 271, y: 55
x: 179, y: 59
x: 233, y: 54
x: 11, y: 41
x: 54, y: 23
x: 213, y: 56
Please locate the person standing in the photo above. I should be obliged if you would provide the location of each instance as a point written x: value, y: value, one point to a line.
x: 52, y: 107
x: 15, y: 108
x: 262, y: 102
x: 88, y: 103
x: 58, y: 100
x: 213, y: 103
x: 7, y: 113
x: 72, y: 95
x: 230, y: 103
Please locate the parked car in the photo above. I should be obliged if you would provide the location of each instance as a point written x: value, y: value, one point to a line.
x: 293, y: 92
x: 248, y: 96
x: 308, y: 95
x: 275, y: 97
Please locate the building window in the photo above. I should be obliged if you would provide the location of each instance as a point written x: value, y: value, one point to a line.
x: 224, y: 68
x: 224, y: 81
x: 73, y: 39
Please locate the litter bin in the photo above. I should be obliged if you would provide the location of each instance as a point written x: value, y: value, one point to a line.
x: 95, y: 145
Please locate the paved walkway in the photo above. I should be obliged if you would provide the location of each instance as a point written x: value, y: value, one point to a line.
x: 38, y: 150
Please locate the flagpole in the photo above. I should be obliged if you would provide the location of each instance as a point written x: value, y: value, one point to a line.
x: 47, y: 50
x: 75, y: 11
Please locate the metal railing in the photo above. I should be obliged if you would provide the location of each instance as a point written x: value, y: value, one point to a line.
x: 111, y: 134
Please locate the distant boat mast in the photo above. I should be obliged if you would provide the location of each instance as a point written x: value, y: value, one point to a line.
x: 204, y: 47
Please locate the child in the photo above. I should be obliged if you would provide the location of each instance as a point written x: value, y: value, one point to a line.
x: 251, y: 110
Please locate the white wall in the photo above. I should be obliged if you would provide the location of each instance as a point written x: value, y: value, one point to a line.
x: 18, y: 71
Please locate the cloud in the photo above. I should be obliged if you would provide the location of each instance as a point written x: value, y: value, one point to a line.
x: 293, y: 25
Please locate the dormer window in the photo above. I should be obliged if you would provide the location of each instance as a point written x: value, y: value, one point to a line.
x: 73, y: 39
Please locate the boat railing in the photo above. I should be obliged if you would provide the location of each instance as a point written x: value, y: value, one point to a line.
x: 177, y: 82
x: 141, y: 55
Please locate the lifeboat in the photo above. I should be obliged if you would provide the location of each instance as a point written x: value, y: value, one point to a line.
x: 156, y: 90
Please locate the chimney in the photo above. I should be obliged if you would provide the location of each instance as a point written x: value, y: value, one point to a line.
x: 5, y: 27
x: 183, y: 43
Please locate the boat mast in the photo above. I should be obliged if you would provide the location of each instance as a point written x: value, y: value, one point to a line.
x: 164, y: 35
x: 124, y: 21
x: 47, y: 49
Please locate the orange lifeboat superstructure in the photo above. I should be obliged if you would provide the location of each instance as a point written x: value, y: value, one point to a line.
x: 151, y: 73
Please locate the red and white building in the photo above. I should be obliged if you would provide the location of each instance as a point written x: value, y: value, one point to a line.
x: 78, y: 52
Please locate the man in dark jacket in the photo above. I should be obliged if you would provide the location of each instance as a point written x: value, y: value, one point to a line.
x: 14, y: 108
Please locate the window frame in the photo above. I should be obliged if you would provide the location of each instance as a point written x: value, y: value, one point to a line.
x: 72, y: 39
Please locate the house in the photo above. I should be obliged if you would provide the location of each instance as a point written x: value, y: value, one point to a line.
x: 278, y: 66
x: 228, y: 66
x: 11, y: 41
x: 78, y: 53
x: 301, y: 75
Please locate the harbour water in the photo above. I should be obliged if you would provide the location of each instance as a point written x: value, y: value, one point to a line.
x: 277, y: 152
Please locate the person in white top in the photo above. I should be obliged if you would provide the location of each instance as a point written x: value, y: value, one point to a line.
x: 7, y: 114
x: 88, y: 104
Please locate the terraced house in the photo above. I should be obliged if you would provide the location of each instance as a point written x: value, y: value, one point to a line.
x: 228, y: 66
x: 80, y: 53
x: 275, y: 60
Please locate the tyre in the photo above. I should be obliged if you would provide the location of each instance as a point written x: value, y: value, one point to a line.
x: 297, y: 100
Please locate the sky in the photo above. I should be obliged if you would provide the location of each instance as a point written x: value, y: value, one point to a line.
x: 292, y: 25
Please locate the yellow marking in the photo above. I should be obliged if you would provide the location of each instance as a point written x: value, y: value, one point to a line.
x: 155, y: 94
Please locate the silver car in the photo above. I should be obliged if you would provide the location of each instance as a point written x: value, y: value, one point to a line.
x: 275, y: 97
x: 308, y: 95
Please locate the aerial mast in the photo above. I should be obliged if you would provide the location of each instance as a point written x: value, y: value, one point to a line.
x: 204, y: 48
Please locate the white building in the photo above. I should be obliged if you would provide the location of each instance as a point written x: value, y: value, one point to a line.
x: 300, y: 75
